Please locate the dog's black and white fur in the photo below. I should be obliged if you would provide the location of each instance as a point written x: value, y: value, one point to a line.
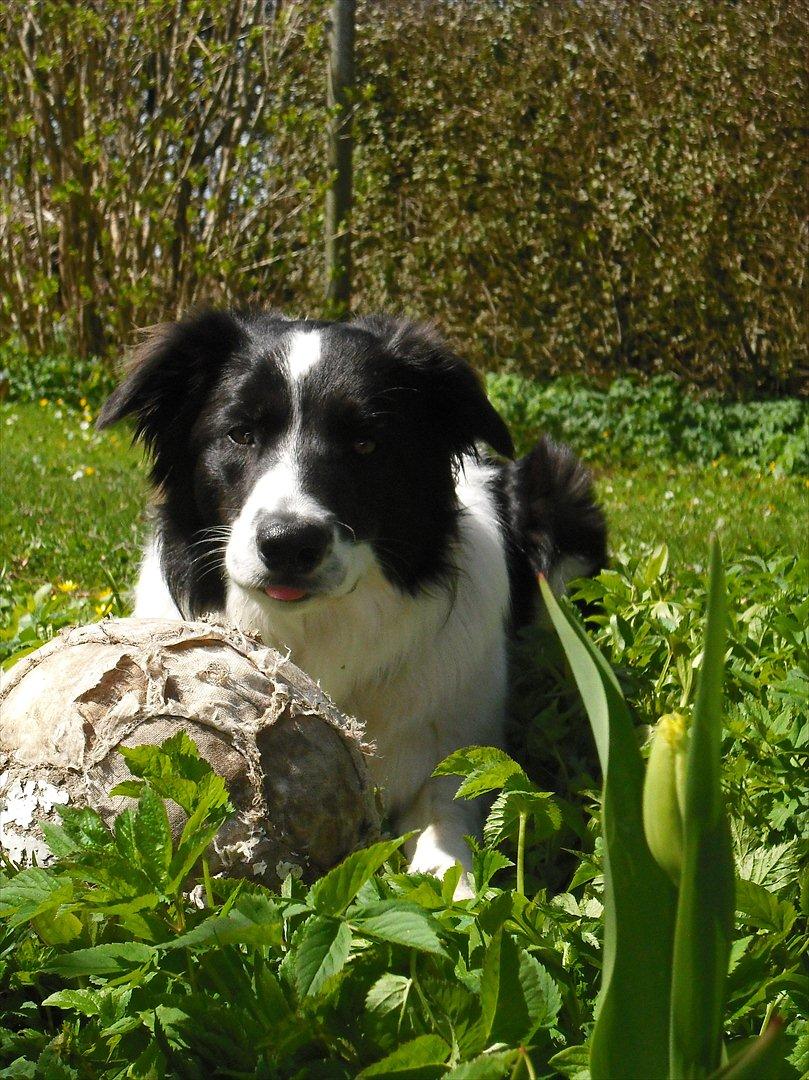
x: 321, y: 483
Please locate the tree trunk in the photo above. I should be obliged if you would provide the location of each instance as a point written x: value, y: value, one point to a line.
x: 340, y: 147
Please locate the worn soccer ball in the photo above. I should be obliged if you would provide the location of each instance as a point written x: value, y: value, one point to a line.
x: 294, y: 765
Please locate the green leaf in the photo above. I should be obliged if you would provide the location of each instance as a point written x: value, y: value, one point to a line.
x: 485, y: 768
x: 335, y: 891
x: 113, y: 959
x: 252, y: 920
x: 485, y: 1066
x: 87, y: 1002
x: 152, y: 836
x: 418, y: 1059
x: 174, y: 769
x: 31, y: 892
x: 631, y: 1032
x: 400, y: 923
x: 388, y: 993
x: 320, y: 949
x: 504, y: 816
x: 706, y: 900
x: 763, y: 909
x: 57, y: 927
x: 573, y: 1062
x: 517, y: 994
x: 85, y: 828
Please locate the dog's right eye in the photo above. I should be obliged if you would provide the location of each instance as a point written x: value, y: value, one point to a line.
x: 242, y: 436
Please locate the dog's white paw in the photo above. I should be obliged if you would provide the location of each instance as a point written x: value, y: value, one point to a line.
x: 430, y: 859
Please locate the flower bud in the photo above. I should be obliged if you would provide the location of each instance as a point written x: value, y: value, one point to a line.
x: 664, y: 794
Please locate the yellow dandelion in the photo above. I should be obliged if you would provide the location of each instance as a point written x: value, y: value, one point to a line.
x: 43, y: 401
x: 67, y: 586
x: 83, y: 402
x: 89, y: 470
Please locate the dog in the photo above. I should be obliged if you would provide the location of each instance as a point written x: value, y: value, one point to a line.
x: 323, y: 483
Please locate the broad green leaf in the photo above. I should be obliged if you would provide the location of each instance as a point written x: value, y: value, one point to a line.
x: 87, y: 1002
x: 57, y: 839
x: 418, y: 1059
x: 763, y: 909
x: 485, y: 768
x: 573, y: 1062
x: 517, y: 994
x: 706, y: 899
x: 485, y: 1066
x: 113, y: 959
x: 174, y: 769
x: 85, y: 828
x: 31, y: 892
x: 389, y: 992
x: 252, y: 920
x: 57, y: 927
x: 400, y: 923
x: 152, y: 835
x: 503, y: 819
x: 320, y: 949
x: 762, y: 1059
x: 631, y: 1033
x: 335, y: 891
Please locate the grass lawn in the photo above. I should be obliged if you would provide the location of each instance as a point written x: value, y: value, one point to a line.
x: 72, y: 505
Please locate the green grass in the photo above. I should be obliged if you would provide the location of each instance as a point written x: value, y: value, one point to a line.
x: 72, y: 504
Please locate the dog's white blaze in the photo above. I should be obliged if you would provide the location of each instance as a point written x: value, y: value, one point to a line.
x: 303, y: 353
x: 277, y: 491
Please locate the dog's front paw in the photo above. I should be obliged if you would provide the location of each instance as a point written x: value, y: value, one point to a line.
x: 431, y: 859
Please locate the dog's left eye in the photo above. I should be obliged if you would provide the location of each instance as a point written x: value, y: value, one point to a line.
x: 242, y: 436
x: 364, y: 446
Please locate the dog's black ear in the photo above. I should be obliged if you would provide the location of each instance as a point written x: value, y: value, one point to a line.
x: 450, y: 385
x: 169, y: 374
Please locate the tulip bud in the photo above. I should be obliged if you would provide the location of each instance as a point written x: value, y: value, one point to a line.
x: 664, y: 794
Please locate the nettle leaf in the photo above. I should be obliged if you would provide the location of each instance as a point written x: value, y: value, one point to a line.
x: 418, y: 1059
x: 174, y: 769
x: 85, y: 828
x: 485, y: 768
x: 252, y: 920
x: 335, y: 891
x: 400, y: 923
x: 504, y: 816
x: 57, y: 927
x: 319, y: 950
x: 152, y: 836
x: 762, y: 909
x: 86, y: 1002
x: 112, y: 959
x: 517, y: 993
x: 32, y: 892
x: 211, y: 810
x: 485, y: 864
x: 61, y: 845
x: 389, y: 992
x: 485, y: 1066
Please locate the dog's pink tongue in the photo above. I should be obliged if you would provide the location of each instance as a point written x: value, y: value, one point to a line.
x: 284, y: 592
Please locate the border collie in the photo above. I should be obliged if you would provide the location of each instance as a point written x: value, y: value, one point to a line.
x: 321, y: 483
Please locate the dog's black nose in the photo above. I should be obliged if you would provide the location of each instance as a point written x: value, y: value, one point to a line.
x: 292, y: 546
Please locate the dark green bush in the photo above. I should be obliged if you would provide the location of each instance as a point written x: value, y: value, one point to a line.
x: 656, y: 420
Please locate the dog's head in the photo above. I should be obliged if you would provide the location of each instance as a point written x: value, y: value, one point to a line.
x: 309, y: 451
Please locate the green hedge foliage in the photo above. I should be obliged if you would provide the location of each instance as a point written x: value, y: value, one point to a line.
x: 565, y: 187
